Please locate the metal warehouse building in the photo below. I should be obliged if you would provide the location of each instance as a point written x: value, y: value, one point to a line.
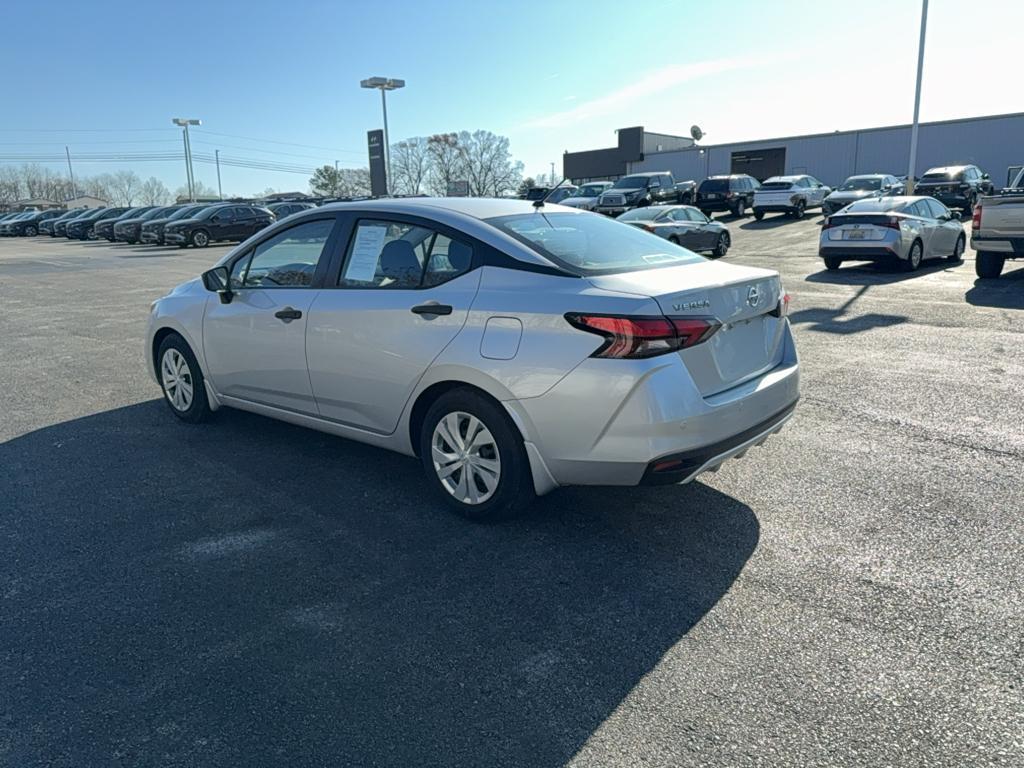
x: 995, y: 144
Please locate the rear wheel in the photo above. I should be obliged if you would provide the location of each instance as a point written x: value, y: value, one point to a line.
x: 913, y: 260
x: 474, y: 457
x: 798, y: 209
x: 741, y: 208
x: 200, y: 238
x: 969, y: 208
x: 958, y: 250
x: 182, y: 380
x: 706, y: 213
x: 758, y: 215
x: 832, y: 263
x: 988, y: 264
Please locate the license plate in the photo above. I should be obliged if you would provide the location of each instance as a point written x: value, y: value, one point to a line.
x: 713, y: 197
x: 855, y: 234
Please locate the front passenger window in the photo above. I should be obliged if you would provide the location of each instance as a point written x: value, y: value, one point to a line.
x: 286, y: 260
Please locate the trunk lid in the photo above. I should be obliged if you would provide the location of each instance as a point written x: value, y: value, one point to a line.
x: 1002, y: 216
x: 742, y: 299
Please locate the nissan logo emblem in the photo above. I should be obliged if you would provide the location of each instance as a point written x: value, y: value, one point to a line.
x: 753, y: 296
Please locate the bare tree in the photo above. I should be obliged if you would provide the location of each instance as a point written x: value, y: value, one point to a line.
x: 447, y: 162
x: 201, y: 190
x: 154, y: 192
x: 488, y: 164
x: 410, y: 164
x: 97, y: 186
x: 126, y: 186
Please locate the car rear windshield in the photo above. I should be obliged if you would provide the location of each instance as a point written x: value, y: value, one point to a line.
x: 587, y: 244
x: 851, y: 185
x: 647, y: 213
x: 769, y: 186
x: 590, y: 190
x: 881, y: 205
x: 714, y: 185
x: 943, y: 176
x: 632, y: 182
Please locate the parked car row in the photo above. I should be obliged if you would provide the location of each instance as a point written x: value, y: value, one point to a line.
x: 197, y: 224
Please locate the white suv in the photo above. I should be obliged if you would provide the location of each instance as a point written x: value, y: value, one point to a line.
x: 791, y: 195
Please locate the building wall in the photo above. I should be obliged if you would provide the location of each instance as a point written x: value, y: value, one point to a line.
x: 992, y: 143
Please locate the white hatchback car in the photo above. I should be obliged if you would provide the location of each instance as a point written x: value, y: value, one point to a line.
x: 513, y: 347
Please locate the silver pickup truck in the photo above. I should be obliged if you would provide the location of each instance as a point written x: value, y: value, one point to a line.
x: 997, y: 229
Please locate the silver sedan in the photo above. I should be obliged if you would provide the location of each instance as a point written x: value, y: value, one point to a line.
x: 900, y: 230
x: 683, y: 225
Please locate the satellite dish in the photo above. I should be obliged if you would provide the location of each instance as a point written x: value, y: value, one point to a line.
x: 696, y: 133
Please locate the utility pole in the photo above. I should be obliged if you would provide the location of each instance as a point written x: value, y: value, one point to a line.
x: 552, y: 181
x: 385, y: 84
x: 185, y: 123
x: 917, y: 99
x: 71, y: 173
x: 220, y: 194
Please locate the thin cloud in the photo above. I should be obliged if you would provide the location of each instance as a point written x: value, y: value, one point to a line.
x: 653, y: 82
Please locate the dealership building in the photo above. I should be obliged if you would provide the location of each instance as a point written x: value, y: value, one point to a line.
x: 992, y: 143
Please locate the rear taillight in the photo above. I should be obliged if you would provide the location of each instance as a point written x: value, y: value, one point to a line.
x: 892, y: 222
x: 976, y: 218
x: 782, y: 308
x: 829, y: 223
x: 639, y: 337
x: 729, y: 195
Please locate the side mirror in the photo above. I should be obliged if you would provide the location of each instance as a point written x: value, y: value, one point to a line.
x: 218, y: 280
x: 984, y: 176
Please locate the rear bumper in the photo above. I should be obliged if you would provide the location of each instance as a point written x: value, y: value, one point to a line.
x: 603, y: 426
x: 1012, y: 247
x: 774, y: 207
x: 716, y: 205
x: 612, y: 210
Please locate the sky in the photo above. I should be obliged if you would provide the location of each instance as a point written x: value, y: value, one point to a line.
x: 279, y: 82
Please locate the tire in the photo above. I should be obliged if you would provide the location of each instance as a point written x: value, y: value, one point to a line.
x: 445, y: 428
x: 674, y: 240
x: 971, y: 202
x: 989, y: 265
x: 741, y: 209
x: 832, y: 263
x: 706, y: 213
x: 913, y: 260
x: 758, y: 215
x: 200, y: 238
x: 181, y: 380
x: 958, y: 250
x: 31, y: 231
x: 721, y: 246
x: 798, y: 209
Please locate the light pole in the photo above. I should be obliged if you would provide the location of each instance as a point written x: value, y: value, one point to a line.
x: 216, y: 155
x: 385, y: 84
x: 185, y: 123
x: 917, y: 99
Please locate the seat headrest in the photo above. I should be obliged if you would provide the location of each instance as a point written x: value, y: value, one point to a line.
x: 398, y: 262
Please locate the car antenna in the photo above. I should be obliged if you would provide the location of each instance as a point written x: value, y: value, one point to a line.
x: 540, y: 203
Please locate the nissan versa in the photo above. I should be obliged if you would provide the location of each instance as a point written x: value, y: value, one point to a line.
x: 513, y: 348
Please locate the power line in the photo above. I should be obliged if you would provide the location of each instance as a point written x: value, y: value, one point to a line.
x: 285, y: 143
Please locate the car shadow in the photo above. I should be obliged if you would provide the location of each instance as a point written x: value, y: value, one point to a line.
x: 244, y: 589
x: 878, y: 273
x: 773, y: 220
x: 1003, y: 292
x: 840, y: 321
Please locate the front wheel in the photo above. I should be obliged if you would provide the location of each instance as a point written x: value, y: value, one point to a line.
x: 958, y: 250
x: 182, y: 380
x: 474, y: 457
x: 721, y: 246
x: 200, y: 238
x: 31, y: 231
x: 988, y: 264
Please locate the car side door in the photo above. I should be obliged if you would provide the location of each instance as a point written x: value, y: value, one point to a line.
x: 948, y: 228
x: 222, y: 224
x: 255, y: 344
x: 926, y: 224
x: 246, y: 223
x: 400, y: 292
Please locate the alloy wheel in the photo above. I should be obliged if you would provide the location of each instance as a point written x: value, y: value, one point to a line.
x: 465, y: 457
x: 176, y: 377
x: 200, y: 239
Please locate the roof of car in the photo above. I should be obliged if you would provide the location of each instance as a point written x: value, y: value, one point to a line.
x: 477, y: 207
x: 868, y: 175
x: 947, y: 169
x: 794, y: 177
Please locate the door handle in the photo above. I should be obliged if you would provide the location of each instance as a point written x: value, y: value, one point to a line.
x: 287, y: 314
x: 432, y: 308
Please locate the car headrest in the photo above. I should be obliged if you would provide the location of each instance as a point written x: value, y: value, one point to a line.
x: 398, y: 262
x: 459, y: 256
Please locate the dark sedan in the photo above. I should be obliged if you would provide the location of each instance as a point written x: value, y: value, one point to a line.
x: 84, y: 228
x: 230, y: 221
x: 128, y: 228
x: 152, y: 232
x: 28, y: 226
x: 105, y: 228
x: 683, y: 225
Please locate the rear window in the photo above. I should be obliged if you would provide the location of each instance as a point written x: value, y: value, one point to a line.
x: 873, y: 206
x: 933, y: 176
x: 585, y: 244
x: 770, y: 186
x: 632, y: 182
x: 714, y: 185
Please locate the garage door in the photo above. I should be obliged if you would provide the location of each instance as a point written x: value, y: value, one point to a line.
x: 760, y: 163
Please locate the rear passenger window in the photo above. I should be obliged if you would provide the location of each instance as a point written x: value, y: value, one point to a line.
x: 385, y: 254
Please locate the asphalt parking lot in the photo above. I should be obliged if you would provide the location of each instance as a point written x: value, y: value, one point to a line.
x: 251, y: 593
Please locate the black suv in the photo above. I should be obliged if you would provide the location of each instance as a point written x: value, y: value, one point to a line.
x: 280, y: 210
x: 128, y: 229
x: 29, y: 226
x: 231, y: 221
x: 727, y: 193
x: 152, y: 231
x: 84, y: 228
x: 105, y: 228
x: 955, y: 186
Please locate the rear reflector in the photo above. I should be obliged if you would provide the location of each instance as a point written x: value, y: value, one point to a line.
x: 639, y: 337
x: 782, y: 308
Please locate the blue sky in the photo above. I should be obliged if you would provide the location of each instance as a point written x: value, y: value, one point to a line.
x: 553, y: 76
